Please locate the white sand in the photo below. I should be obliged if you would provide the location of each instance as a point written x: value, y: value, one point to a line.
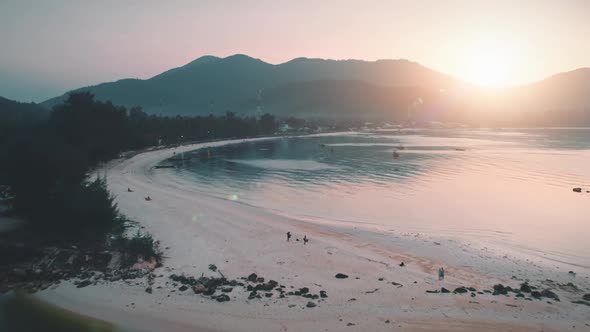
x: 199, y: 230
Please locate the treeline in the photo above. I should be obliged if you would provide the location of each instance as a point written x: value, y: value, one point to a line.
x: 45, y: 164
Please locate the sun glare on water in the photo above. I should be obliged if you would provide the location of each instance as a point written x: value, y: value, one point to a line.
x: 488, y: 65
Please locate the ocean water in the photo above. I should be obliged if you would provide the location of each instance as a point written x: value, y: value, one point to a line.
x: 504, y: 188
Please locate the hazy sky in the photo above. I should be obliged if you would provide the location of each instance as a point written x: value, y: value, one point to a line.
x: 50, y: 46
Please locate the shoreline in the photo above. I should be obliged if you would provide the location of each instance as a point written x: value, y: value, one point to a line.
x: 196, y: 230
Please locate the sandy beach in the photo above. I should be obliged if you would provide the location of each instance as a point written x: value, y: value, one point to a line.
x: 196, y: 230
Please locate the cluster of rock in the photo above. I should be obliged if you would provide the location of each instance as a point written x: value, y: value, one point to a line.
x: 44, y: 268
x: 525, y: 288
x: 217, y: 288
x: 500, y: 289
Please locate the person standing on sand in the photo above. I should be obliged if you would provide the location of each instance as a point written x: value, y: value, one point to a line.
x: 441, y: 273
x: 288, y: 236
x: 305, y: 239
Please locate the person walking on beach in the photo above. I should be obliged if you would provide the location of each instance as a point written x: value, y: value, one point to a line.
x: 441, y: 273
x: 305, y: 239
x: 288, y: 236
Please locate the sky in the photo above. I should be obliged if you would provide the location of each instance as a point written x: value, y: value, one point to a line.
x: 48, y: 47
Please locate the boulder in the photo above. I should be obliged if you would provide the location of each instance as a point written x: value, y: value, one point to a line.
x: 341, y: 276
x: 500, y: 289
x: 323, y: 294
x: 183, y: 288
x: 525, y: 288
x: 148, y: 290
x: 222, y: 298
x: 252, y: 277
x: 84, y: 283
x: 586, y: 297
x: 209, y: 291
x: 199, y: 288
x: 578, y: 190
x: 444, y: 290
x: 310, y: 304
x: 548, y: 293
x: 460, y: 290
x: 260, y: 279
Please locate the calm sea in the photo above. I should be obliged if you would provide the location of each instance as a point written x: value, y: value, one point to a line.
x: 507, y: 188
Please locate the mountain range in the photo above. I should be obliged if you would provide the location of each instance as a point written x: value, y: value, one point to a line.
x: 391, y: 90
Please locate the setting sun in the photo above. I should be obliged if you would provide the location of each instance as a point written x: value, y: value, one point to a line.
x: 488, y: 64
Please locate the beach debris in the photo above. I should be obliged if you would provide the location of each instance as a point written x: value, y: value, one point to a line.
x: 129, y: 190
x: 436, y: 291
x: 341, y: 276
x: 371, y: 292
x: 397, y: 284
x: 323, y: 294
x: 572, y: 273
x: 387, y: 321
x: 288, y: 236
x: 350, y: 324
x: 212, y: 267
x: 148, y: 198
x: 402, y: 264
x: 578, y: 190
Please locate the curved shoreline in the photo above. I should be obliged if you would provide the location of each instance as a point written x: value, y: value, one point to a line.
x: 197, y: 230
